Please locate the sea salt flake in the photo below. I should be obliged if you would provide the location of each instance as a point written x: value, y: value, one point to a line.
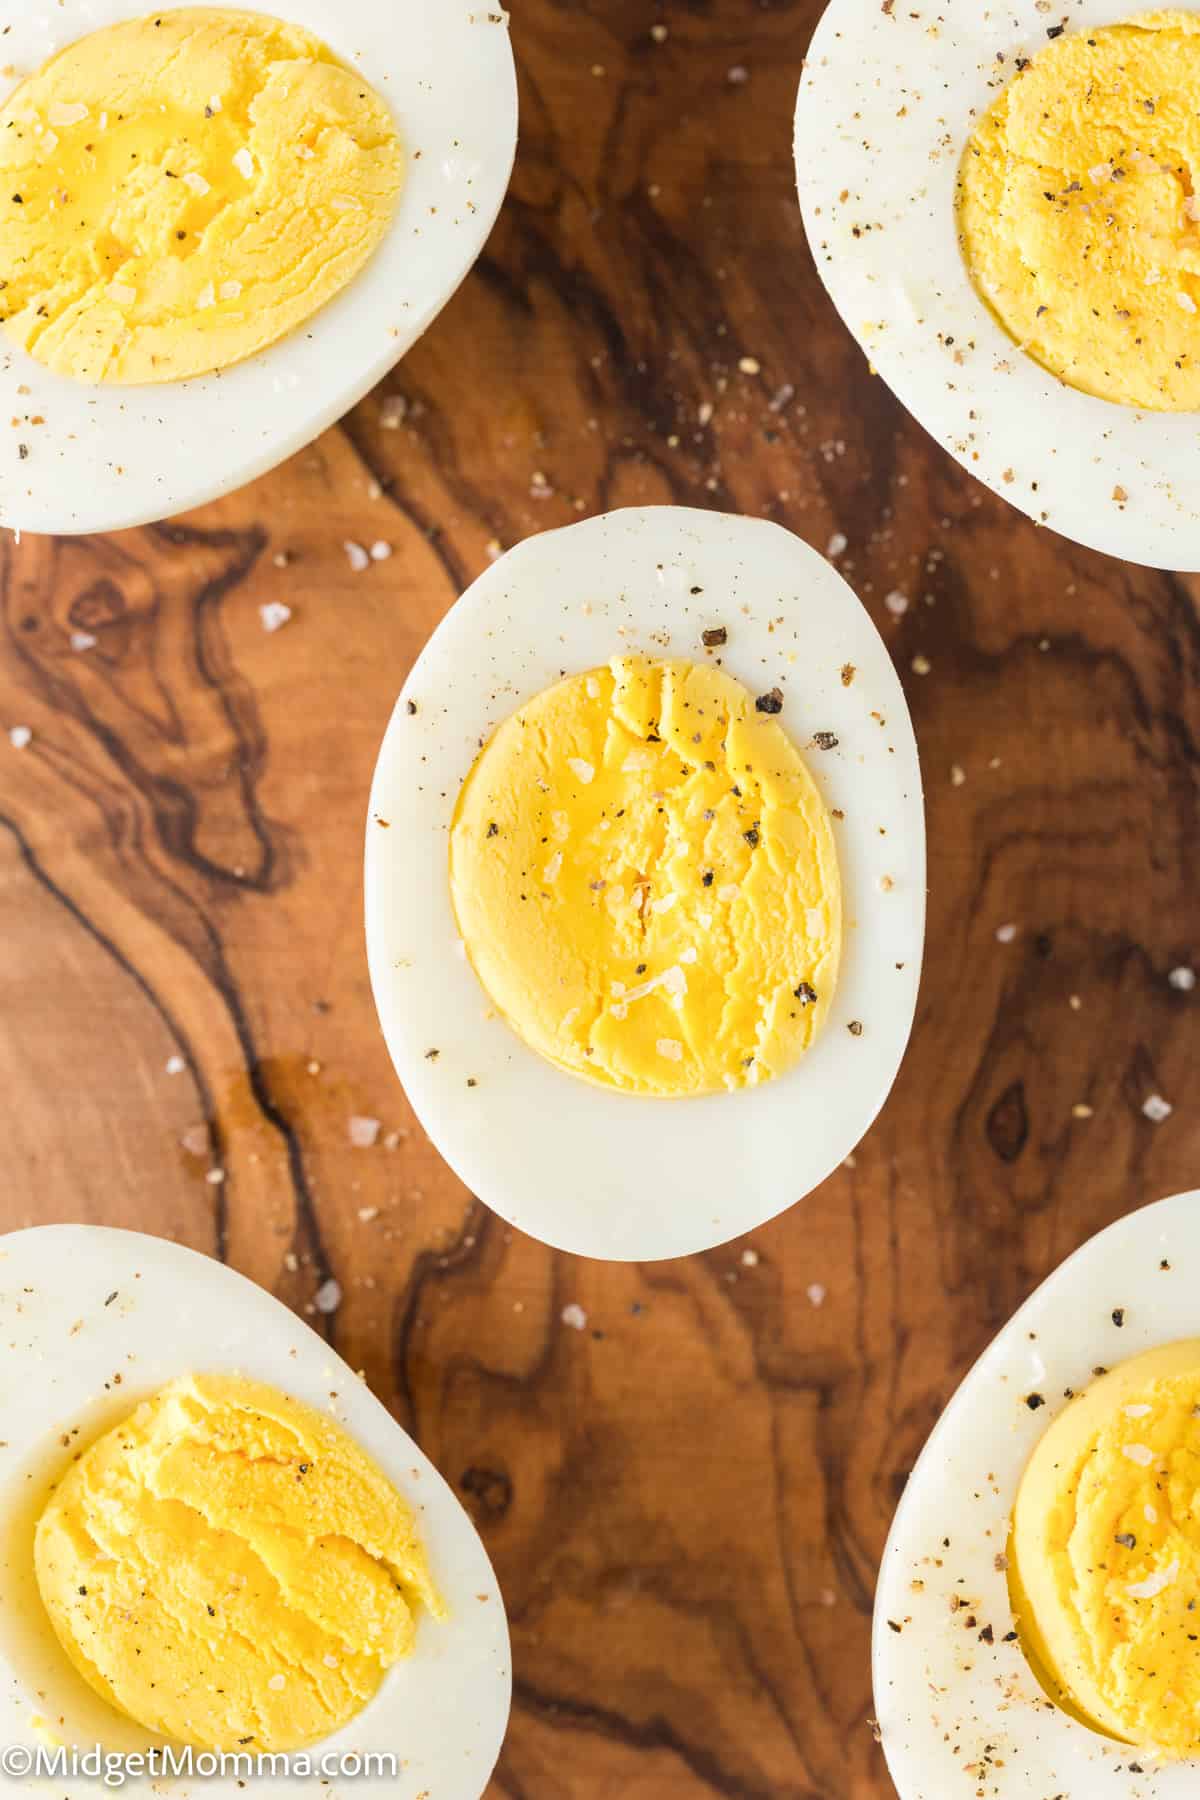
x: 230, y: 290
x: 1182, y: 979
x: 206, y: 297
x: 1137, y: 1412
x: 1157, y: 1109
x: 67, y: 112
x: 592, y: 687
x: 1005, y: 934
x: 358, y: 558
x: 582, y: 771
x: 553, y: 868
x: 637, y: 759
x: 1141, y: 1454
x: 816, y: 1294
x: 328, y: 1296
x: 196, y: 183
x: 83, y: 640
x: 729, y: 893
x: 364, y: 1132
x: 20, y: 737
x: 574, y: 1317
x: 278, y: 1683
x: 689, y: 955
x: 121, y: 293
x: 393, y: 412
x: 175, y: 1065
x: 671, y: 1048
x: 274, y: 614
x: 666, y: 903
x: 896, y: 603
x: 243, y: 162
x: 1154, y: 1584
x: 749, y: 1259
x: 380, y: 550
x: 837, y: 543
x: 1185, y: 302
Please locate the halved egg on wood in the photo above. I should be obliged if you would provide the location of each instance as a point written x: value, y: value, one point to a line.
x: 220, y: 227
x: 999, y: 201
x: 213, y: 1536
x: 646, y: 880
x: 1036, y: 1614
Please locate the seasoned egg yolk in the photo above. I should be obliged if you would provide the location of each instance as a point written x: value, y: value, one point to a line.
x: 1104, y: 1554
x: 1077, y: 216
x: 228, y: 1568
x: 177, y: 192
x: 645, y: 880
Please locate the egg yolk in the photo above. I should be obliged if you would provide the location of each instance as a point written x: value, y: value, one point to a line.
x: 1077, y: 215
x: 1104, y: 1554
x: 177, y: 192
x: 645, y: 879
x: 229, y: 1569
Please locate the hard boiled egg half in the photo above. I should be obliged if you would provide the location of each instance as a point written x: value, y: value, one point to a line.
x: 188, y: 252
x: 1094, y: 274
x: 645, y: 881
x: 97, y: 1321
x: 1081, y: 1424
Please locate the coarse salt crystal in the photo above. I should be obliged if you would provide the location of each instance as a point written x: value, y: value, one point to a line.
x: 328, y: 1296
x: 393, y: 412
x: 215, y: 1177
x: 243, y: 162
x: 196, y: 182
x: 816, y: 1294
x: 344, y: 203
x: 1186, y: 302
x: 574, y: 1316
x: 592, y: 687
x: 331, y: 1662
x: 1137, y: 1412
x: 896, y: 603
x: 689, y: 955
x: 380, y: 550
x: 367, y: 1213
x: 1157, y: 1109
x: 921, y: 665
x: 206, y: 297
x: 666, y: 903
x: 358, y: 558
x: 837, y: 543
x: 175, y: 1065
x: 278, y: 1683
x: 1182, y: 979
x: 1005, y: 934
x: 214, y: 103
x: 364, y: 1132
x: 1100, y: 172
x: 554, y: 867
x: 121, y: 293
x: 82, y: 640
x: 20, y: 736
x: 1154, y: 1584
x: 750, y: 365
x: 749, y: 1259
x: 67, y: 112
x: 1140, y: 1454
x: 230, y: 290
x: 1151, y: 1515
x: 274, y: 614
x: 728, y: 893
x: 637, y: 759
x: 671, y: 1048
x: 582, y: 771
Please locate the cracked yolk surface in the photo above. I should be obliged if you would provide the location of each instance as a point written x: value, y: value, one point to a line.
x: 228, y: 1568
x: 1077, y: 214
x: 179, y: 191
x: 645, y: 879
x: 1104, y: 1553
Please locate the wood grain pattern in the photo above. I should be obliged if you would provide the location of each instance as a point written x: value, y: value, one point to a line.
x: 685, y: 1502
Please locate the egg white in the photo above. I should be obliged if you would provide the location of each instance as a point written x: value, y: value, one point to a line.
x: 108, y: 457
x: 582, y: 1168
x: 887, y: 102
x: 943, y: 1694
x: 80, y: 1304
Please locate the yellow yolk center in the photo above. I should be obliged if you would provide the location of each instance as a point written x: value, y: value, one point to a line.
x: 228, y: 1568
x: 1077, y: 215
x: 177, y: 192
x: 1104, y: 1555
x: 645, y: 879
